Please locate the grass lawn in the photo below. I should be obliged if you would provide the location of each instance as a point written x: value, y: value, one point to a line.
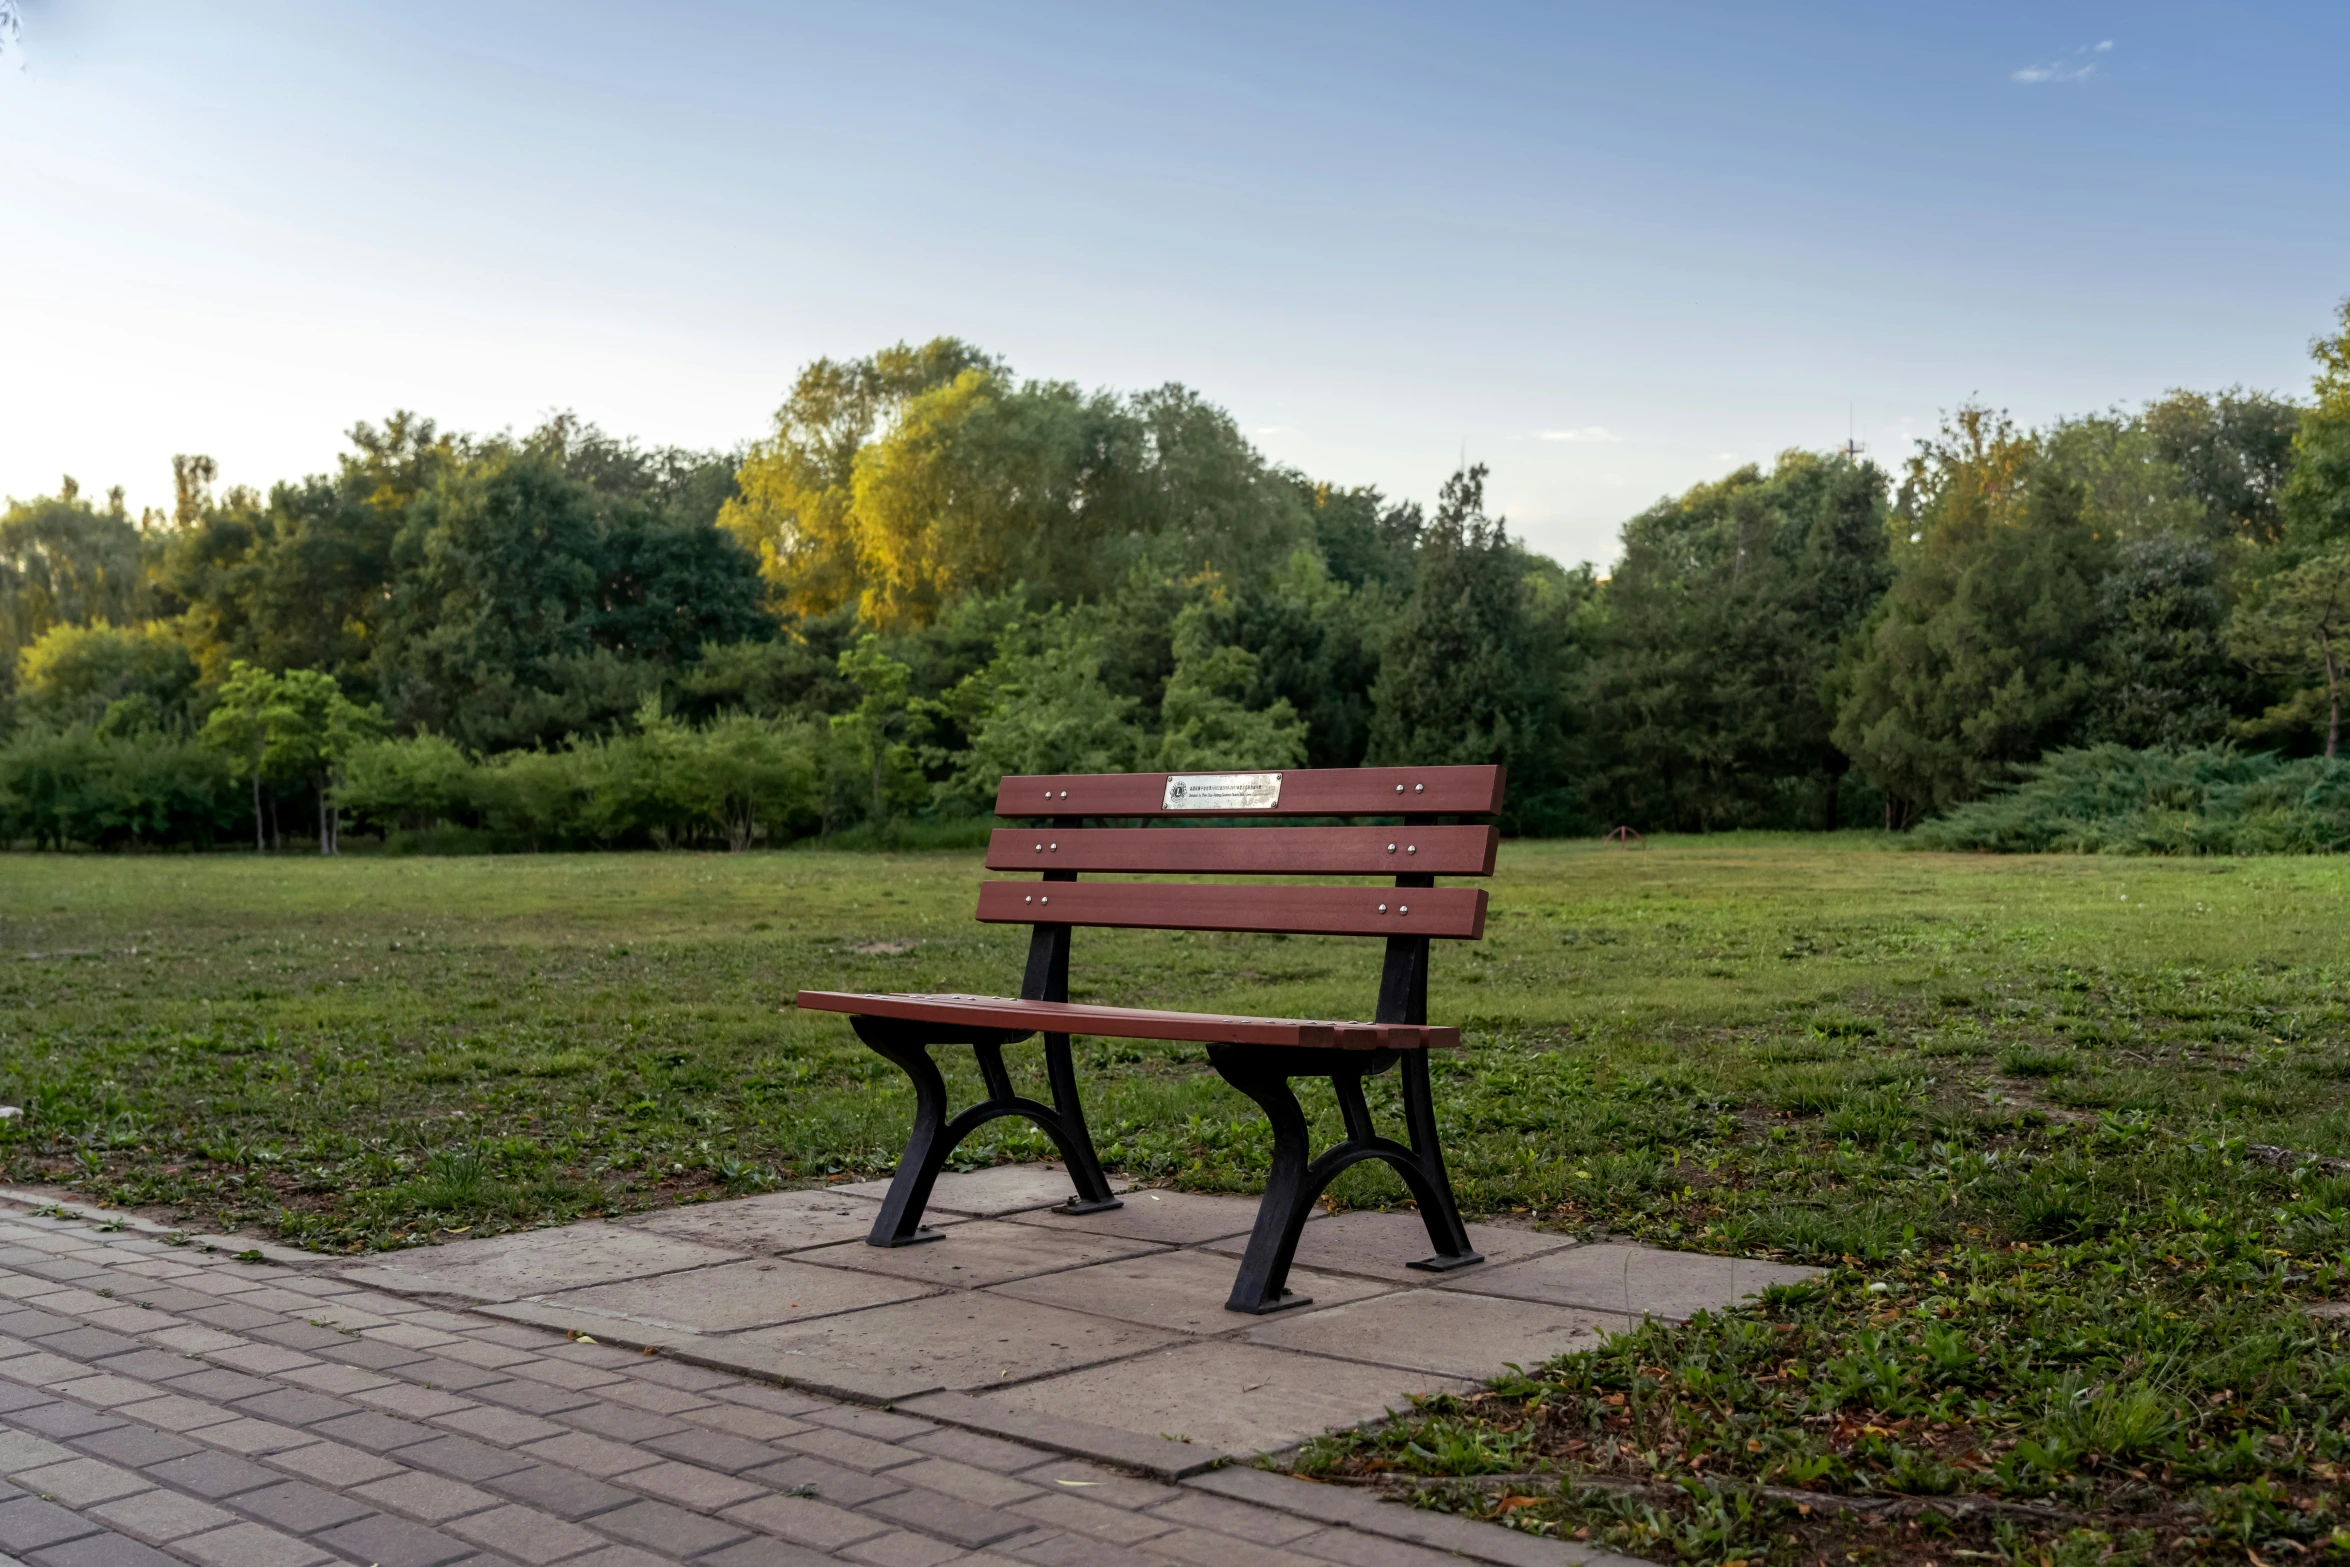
x: 2013, y: 1105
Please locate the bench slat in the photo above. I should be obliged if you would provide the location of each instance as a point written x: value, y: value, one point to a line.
x: 1065, y: 1017
x: 1333, y: 791
x: 1261, y: 851
x: 1453, y: 912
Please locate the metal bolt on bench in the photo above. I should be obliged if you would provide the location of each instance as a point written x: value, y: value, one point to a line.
x: 1256, y: 1055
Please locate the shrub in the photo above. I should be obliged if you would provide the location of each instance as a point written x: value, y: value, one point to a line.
x: 2109, y: 799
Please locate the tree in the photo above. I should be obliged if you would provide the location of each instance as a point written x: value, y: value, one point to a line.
x: 64, y: 562
x: 2316, y: 499
x: 1712, y: 680
x: 885, y: 713
x: 291, y: 728
x: 2298, y: 624
x: 1467, y: 676
x: 2233, y: 450
x: 1981, y: 655
x: 1207, y: 721
x: 106, y: 675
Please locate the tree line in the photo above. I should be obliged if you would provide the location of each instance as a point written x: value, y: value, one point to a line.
x: 931, y: 572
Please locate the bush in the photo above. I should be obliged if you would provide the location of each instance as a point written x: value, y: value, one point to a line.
x: 2109, y: 799
x: 61, y: 787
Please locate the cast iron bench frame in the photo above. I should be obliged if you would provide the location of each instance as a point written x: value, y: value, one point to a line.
x: 1258, y: 1056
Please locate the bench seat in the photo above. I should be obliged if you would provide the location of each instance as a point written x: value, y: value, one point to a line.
x: 1021, y: 1018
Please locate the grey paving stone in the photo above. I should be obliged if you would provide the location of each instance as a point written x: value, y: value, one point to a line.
x: 776, y: 1400
x: 249, y: 1545
x: 81, y: 1482
x: 619, y: 1422
x: 101, y: 1550
x: 1633, y: 1280
x: 880, y: 1424
x: 28, y: 1523
x: 63, y: 1420
x: 761, y: 1552
x: 809, y: 1521
x: 151, y: 1365
x: 1149, y: 1453
x: 1183, y: 1291
x: 256, y: 1437
x: 1444, y: 1332
x: 1224, y: 1396
x: 690, y: 1486
x: 263, y: 1360
x: 230, y: 1317
x: 904, y: 1548
x: 836, y: 1483
x: 428, y: 1497
x: 983, y: 1251
x: 88, y: 1344
x: 299, y: 1507
x: 590, y: 1455
x: 1379, y: 1245
x: 299, y: 1335
x: 462, y: 1458
x: 331, y: 1463
x: 211, y: 1475
x: 619, y: 1556
x: 1000, y: 1189
x: 673, y: 1531
x: 1364, y: 1514
x: 1240, y: 1520
x: 559, y: 1491
x: 737, y: 1420
x: 846, y: 1447
x: 1205, y: 1548
x: 456, y: 1376
x: 713, y: 1450
x: 1170, y: 1218
x: 967, y: 1482
x: 678, y: 1375
x: 769, y: 1224
x: 377, y: 1433
x: 525, y: 1534
x: 217, y: 1383
x: 948, y: 1517
x: 970, y: 1447
x: 135, y: 1446
x: 507, y: 1267
x: 372, y: 1355
x: 499, y: 1427
x: 291, y: 1406
x: 954, y: 1341
x: 160, y: 1516
x: 532, y: 1398
x: 417, y: 1403
x: 394, y: 1542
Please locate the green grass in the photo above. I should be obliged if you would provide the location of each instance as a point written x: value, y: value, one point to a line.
x: 2006, y: 1102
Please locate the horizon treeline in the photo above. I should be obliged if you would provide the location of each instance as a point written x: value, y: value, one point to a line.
x: 932, y: 572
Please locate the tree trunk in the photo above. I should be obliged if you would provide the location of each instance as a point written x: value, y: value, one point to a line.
x: 277, y: 836
x: 326, y: 841
x: 2333, y: 696
x: 877, y: 787
x: 260, y: 837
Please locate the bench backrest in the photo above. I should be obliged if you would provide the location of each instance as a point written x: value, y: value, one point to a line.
x: 1415, y: 850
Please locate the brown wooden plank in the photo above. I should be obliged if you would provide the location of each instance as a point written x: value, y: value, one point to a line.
x: 1457, y: 913
x: 1065, y: 1017
x: 1330, y: 791
x: 1256, y: 851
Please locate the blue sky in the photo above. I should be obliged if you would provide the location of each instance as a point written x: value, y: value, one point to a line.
x: 1610, y: 250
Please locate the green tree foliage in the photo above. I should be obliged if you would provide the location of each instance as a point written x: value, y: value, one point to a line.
x: 64, y: 562
x: 2315, y: 502
x: 113, y: 678
x: 1205, y: 718
x: 1468, y: 675
x: 1983, y: 650
x: 909, y: 481
x: 880, y: 728
x: 296, y: 728
x: 2298, y: 625
x: 63, y: 787
x: 2233, y: 450
x: 1712, y: 686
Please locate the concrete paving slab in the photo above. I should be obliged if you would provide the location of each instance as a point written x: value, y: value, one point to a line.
x: 992, y: 1192
x: 1636, y: 1280
x: 1172, y: 1218
x: 1380, y: 1245
x: 1182, y: 1290
x: 979, y: 1252
x: 1444, y: 1332
x: 957, y: 1342
x: 1225, y: 1394
x: 772, y: 1223
x: 508, y: 1267
x: 726, y: 1299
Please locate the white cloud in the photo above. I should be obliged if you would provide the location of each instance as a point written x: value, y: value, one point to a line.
x: 2075, y: 67
x: 1588, y: 435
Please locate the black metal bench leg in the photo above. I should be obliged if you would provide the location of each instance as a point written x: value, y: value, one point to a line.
x: 1437, y: 1209
x: 1085, y: 1167
x: 1262, y: 1284
x: 900, y: 1220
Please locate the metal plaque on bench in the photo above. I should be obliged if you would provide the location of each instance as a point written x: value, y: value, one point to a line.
x: 1222, y: 791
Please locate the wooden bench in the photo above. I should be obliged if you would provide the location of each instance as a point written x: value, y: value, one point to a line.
x: 1257, y: 1055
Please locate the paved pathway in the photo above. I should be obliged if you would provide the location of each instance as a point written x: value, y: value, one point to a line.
x: 1103, y: 1335
x: 164, y: 1403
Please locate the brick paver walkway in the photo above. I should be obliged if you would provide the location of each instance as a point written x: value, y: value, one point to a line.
x: 163, y: 1403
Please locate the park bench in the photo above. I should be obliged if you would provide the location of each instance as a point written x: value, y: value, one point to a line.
x: 1257, y: 1055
